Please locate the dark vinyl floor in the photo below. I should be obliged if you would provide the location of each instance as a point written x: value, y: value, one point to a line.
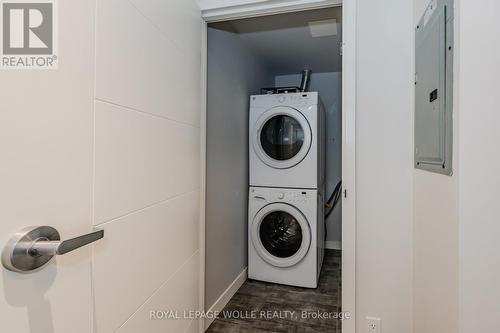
x: 273, y: 304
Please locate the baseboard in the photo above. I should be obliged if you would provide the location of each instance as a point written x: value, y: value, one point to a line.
x: 333, y: 245
x: 222, y: 301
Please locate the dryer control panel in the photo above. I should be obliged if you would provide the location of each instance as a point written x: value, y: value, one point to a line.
x: 298, y: 100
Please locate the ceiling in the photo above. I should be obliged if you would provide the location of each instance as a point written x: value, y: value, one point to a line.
x: 284, y: 43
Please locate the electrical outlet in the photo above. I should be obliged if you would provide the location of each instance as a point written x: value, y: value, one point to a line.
x: 373, y: 325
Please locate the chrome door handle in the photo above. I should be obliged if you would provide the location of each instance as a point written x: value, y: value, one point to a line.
x: 32, y: 248
x: 51, y: 248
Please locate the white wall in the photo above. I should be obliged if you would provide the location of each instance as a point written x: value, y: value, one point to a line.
x: 233, y: 75
x: 479, y: 161
x: 436, y: 240
x: 384, y: 165
x: 329, y: 86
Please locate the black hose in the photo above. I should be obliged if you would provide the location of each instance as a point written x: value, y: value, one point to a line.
x: 334, y: 199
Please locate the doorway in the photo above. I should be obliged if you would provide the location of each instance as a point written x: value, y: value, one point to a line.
x: 261, y: 56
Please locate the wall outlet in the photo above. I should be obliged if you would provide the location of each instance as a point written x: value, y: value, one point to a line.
x: 373, y: 325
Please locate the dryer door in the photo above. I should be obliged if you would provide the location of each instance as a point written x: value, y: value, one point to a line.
x: 282, y: 137
x: 281, y: 235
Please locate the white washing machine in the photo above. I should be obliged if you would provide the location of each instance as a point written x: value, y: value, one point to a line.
x: 287, y: 140
x: 286, y: 236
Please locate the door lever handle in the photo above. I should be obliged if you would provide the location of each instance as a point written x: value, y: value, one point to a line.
x: 52, y: 248
x: 32, y: 248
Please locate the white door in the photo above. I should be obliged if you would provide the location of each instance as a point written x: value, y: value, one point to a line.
x: 109, y: 140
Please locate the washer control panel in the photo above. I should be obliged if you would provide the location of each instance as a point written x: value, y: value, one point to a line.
x: 299, y: 197
x: 277, y: 195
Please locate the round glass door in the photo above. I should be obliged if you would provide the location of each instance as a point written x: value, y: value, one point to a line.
x: 282, y: 137
x: 281, y: 235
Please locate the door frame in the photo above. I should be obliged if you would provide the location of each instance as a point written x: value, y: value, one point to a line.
x: 270, y: 7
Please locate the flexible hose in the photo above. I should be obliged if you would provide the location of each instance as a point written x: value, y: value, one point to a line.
x: 332, y: 202
x: 334, y: 199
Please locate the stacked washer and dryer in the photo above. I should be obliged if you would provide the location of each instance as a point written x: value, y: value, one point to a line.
x: 286, y: 226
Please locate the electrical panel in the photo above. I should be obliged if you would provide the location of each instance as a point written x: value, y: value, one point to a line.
x: 434, y: 88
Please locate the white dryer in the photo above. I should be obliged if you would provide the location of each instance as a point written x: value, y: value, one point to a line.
x: 286, y: 236
x: 287, y: 140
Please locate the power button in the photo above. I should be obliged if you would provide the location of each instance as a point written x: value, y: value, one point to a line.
x: 281, y: 195
x: 281, y: 99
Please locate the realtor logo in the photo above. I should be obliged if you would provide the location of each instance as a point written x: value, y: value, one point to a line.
x: 28, y: 35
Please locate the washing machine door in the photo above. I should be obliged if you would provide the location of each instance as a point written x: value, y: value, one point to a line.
x: 282, y: 137
x: 281, y: 235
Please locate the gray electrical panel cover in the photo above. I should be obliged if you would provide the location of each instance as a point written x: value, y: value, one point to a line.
x: 434, y: 88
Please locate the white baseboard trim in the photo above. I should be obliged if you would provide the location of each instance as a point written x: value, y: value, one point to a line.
x: 222, y: 301
x: 333, y: 245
